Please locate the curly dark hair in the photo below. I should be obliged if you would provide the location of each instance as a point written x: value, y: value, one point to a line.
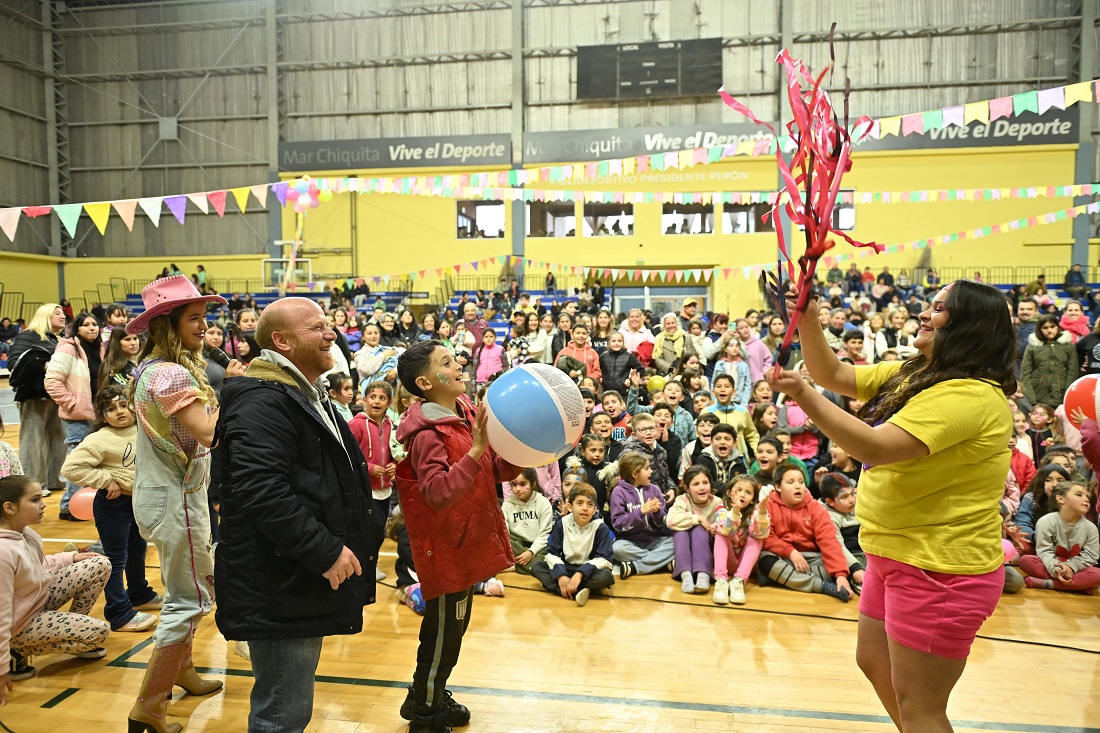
x: 978, y: 342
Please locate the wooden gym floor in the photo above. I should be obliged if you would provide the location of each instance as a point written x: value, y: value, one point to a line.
x: 646, y: 658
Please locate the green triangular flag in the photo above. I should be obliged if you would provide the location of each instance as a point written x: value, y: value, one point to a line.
x: 602, y: 169
x: 933, y: 119
x: 513, y: 177
x: 69, y: 214
x: 1026, y: 102
x: 714, y: 154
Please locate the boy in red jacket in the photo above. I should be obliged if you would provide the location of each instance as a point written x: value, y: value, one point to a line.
x: 447, y: 489
x: 802, y: 552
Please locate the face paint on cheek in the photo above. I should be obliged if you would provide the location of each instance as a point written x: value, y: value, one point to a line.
x: 443, y: 378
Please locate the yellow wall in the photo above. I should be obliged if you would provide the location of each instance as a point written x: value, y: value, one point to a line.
x: 399, y: 234
x: 33, y: 275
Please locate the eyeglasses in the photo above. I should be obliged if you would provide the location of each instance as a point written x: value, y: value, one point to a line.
x: 648, y: 429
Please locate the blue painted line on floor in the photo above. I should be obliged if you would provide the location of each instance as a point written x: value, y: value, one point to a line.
x: 55, y: 701
x: 123, y: 661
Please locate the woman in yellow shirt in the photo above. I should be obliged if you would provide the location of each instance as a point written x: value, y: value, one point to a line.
x: 932, y: 438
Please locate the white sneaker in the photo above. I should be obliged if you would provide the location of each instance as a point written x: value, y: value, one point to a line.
x: 721, y: 592
x: 702, y: 583
x: 737, y: 591
x: 242, y: 650
x: 379, y: 573
x: 687, y: 585
x: 582, y: 596
x: 45, y: 492
x: 140, y: 622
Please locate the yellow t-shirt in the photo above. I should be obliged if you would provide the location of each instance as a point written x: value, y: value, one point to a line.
x: 939, y: 512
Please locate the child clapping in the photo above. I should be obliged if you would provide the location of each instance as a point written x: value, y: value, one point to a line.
x: 692, y: 521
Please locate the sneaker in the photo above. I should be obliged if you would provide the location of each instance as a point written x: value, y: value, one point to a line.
x: 687, y: 585
x: 45, y: 492
x: 97, y: 653
x: 241, y: 650
x: 493, y: 587
x: 68, y: 517
x: 379, y: 573
x: 721, y: 592
x: 457, y: 714
x: 154, y: 604
x: 70, y: 547
x: 702, y: 583
x: 830, y: 588
x: 20, y: 668
x: 140, y: 622
x: 737, y: 591
x: 626, y: 569
x: 582, y: 596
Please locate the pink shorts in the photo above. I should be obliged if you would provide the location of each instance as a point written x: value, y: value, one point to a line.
x: 937, y: 613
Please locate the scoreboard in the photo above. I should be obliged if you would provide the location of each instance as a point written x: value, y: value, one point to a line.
x: 641, y: 70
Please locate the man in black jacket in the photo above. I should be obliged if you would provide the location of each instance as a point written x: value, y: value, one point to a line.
x: 299, y: 537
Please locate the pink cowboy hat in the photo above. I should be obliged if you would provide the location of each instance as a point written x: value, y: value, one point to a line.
x: 165, y: 295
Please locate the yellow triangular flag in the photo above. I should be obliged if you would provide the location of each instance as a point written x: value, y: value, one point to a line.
x: 126, y: 210
x: 687, y: 159
x: 1081, y: 92
x: 889, y: 126
x: 745, y: 147
x: 240, y: 195
x: 628, y: 166
x: 99, y: 213
x: 976, y: 112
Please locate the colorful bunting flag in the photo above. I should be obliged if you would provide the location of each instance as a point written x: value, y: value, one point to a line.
x: 151, y: 207
x: 9, y: 222
x: 126, y: 211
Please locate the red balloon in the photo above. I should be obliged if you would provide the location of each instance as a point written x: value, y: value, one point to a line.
x: 1081, y: 398
x: 80, y: 503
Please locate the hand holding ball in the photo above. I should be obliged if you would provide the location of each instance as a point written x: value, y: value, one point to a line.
x: 1081, y: 400
x: 535, y: 415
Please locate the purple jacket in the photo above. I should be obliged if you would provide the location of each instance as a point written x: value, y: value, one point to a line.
x: 759, y: 357
x: 626, y: 515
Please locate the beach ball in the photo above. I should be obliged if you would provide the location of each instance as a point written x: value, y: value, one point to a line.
x: 80, y: 503
x: 536, y: 415
x: 1082, y: 397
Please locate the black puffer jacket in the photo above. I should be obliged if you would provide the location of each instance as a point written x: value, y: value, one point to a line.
x: 615, y: 367
x: 292, y: 496
x: 27, y: 361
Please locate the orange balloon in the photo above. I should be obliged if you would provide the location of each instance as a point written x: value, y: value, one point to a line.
x: 80, y: 503
x: 1081, y: 398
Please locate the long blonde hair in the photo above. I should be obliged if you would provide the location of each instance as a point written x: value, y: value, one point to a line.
x: 40, y: 324
x: 164, y: 342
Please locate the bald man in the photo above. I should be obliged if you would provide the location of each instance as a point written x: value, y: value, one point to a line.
x: 475, y: 324
x: 300, y: 536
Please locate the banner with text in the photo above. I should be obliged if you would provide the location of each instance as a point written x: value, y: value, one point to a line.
x: 398, y: 152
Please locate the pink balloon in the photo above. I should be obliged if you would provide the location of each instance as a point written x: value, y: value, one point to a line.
x: 80, y: 503
x: 313, y: 190
x: 292, y: 194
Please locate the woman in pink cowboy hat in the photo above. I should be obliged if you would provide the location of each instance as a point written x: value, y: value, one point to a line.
x: 177, y: 412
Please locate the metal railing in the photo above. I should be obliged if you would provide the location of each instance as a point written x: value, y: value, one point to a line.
x: 11, y: 304
x: 119, y: 289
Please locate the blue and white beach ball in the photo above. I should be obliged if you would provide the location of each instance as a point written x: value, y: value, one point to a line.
x: 536, y: 415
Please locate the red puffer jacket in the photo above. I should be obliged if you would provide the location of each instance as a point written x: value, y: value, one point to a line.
x: 456, y: 528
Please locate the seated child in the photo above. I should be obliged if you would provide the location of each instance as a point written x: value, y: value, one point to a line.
x: 838, y: 495
x: 579, y: 551
x: 643, y: 439
x: 615, y: 408
x: 692, y: 521
x: 603, y: 427
x: 721, y: 459
x: 35, y: 586
x: 802, y: 551
x: 529, y: 517
x: 1035, y: 504
x: 408, y: 584
x: 704, y: 425
x: 839, y: 462
x: 638, y: 519
x: 742, y: 524
x: 1067, y: 545
x: 767, y: 457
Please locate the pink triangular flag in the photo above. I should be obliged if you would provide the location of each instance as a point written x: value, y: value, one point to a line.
x: 9, y: 221
x: 199, y: 200
x: 1001, y: 107
x: 218, y: 199
x: 260, y: 192
x: 126, y: 211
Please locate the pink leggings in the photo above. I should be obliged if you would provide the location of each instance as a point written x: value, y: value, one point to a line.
x: 1082, y: 579
x: 724, y: 552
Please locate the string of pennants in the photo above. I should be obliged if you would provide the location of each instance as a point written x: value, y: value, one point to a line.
x: 706, y: 274
x: 1037, y: 101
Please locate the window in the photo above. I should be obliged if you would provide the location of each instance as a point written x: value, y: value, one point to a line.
x: 551, y: 219
x: 746, y: 218
x: 603, y: 220
x: 480, y: 219
x: 844, y: 215
x: 687, y: 219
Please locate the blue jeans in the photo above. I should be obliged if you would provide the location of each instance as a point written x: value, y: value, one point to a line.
x: 75, y: 432
x: 125, y: 548
x: 282, y: 696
